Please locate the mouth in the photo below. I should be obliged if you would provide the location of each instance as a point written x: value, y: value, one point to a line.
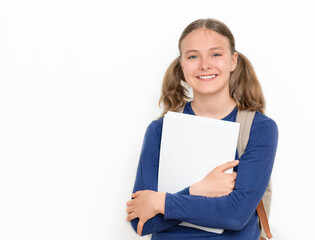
x: 207, y: 78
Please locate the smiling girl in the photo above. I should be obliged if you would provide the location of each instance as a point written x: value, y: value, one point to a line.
x: 223, y: 82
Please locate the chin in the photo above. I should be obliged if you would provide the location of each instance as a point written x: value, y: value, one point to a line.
x: 211, y: 91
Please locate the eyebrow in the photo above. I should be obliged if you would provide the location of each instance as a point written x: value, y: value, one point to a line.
x: 211, y: 49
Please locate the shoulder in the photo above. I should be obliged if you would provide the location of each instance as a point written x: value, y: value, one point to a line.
x: 264, y: 127
x: 154, y: 130
x: 156, y: 125
x: 263, y: 121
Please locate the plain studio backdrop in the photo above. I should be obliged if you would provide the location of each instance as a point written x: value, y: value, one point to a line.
x: 80, y: 82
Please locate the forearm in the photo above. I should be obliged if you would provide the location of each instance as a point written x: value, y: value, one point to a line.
x: 157, y: 223
x: 224, y: 212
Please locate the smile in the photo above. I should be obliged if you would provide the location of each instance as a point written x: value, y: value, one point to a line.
x: 207, y: 77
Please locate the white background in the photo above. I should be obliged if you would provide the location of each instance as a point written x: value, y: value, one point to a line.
x: 80, y: 81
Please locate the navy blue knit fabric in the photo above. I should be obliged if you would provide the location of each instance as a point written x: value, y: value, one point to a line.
x: 236, y: 212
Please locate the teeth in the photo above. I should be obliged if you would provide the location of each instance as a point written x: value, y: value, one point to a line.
x: 207, y: 77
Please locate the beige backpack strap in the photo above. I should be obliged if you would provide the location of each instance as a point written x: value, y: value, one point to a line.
x: 245, y: 118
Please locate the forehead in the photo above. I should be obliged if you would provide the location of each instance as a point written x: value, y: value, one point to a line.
x: 204, y: 39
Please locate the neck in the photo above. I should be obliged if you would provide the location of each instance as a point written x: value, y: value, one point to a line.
x: 216, y: 107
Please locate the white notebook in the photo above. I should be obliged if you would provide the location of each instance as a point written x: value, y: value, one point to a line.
x: 191, y: 146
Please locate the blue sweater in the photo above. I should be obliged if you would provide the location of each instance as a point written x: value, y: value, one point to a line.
x: 236, y: 212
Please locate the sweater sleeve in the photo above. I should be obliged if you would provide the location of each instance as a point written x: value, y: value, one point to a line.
x: 147, y: 177
x: 232, y: 212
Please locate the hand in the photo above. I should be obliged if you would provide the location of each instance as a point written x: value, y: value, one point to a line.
x: 217, y: 183
x: 145, y: 205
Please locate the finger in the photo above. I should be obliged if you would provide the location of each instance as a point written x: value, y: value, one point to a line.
x: 225, y: 166
x: 130, y: 203
x: 136, y: 194
x: 131, y: 216
x: 140, y: 227
x: 232, y: 176
x: 130, y: 209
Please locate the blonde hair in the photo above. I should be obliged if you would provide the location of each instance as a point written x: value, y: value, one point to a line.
x: 243, y: 84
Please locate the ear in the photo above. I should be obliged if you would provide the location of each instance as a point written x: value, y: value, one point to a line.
x: 234, y: 61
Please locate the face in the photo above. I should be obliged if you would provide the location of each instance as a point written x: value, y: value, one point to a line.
x: 207, y: 62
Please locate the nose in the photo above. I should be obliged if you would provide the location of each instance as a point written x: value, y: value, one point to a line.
x: 205, y: 65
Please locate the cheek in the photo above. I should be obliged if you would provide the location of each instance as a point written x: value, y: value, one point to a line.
x: 225, y: 65
x: 189, y: 69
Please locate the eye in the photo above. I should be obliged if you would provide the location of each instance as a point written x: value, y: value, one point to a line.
x: 216, y: 55
x: 192, y: 57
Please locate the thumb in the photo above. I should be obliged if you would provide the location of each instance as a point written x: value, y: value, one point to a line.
x: 140, y: 227
x: 225, y: 166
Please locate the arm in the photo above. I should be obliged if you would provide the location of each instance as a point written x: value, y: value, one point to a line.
x: 147, y: 177
x: 233, y: 211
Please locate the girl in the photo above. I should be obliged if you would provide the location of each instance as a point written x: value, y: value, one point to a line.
x: 223, y: 81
